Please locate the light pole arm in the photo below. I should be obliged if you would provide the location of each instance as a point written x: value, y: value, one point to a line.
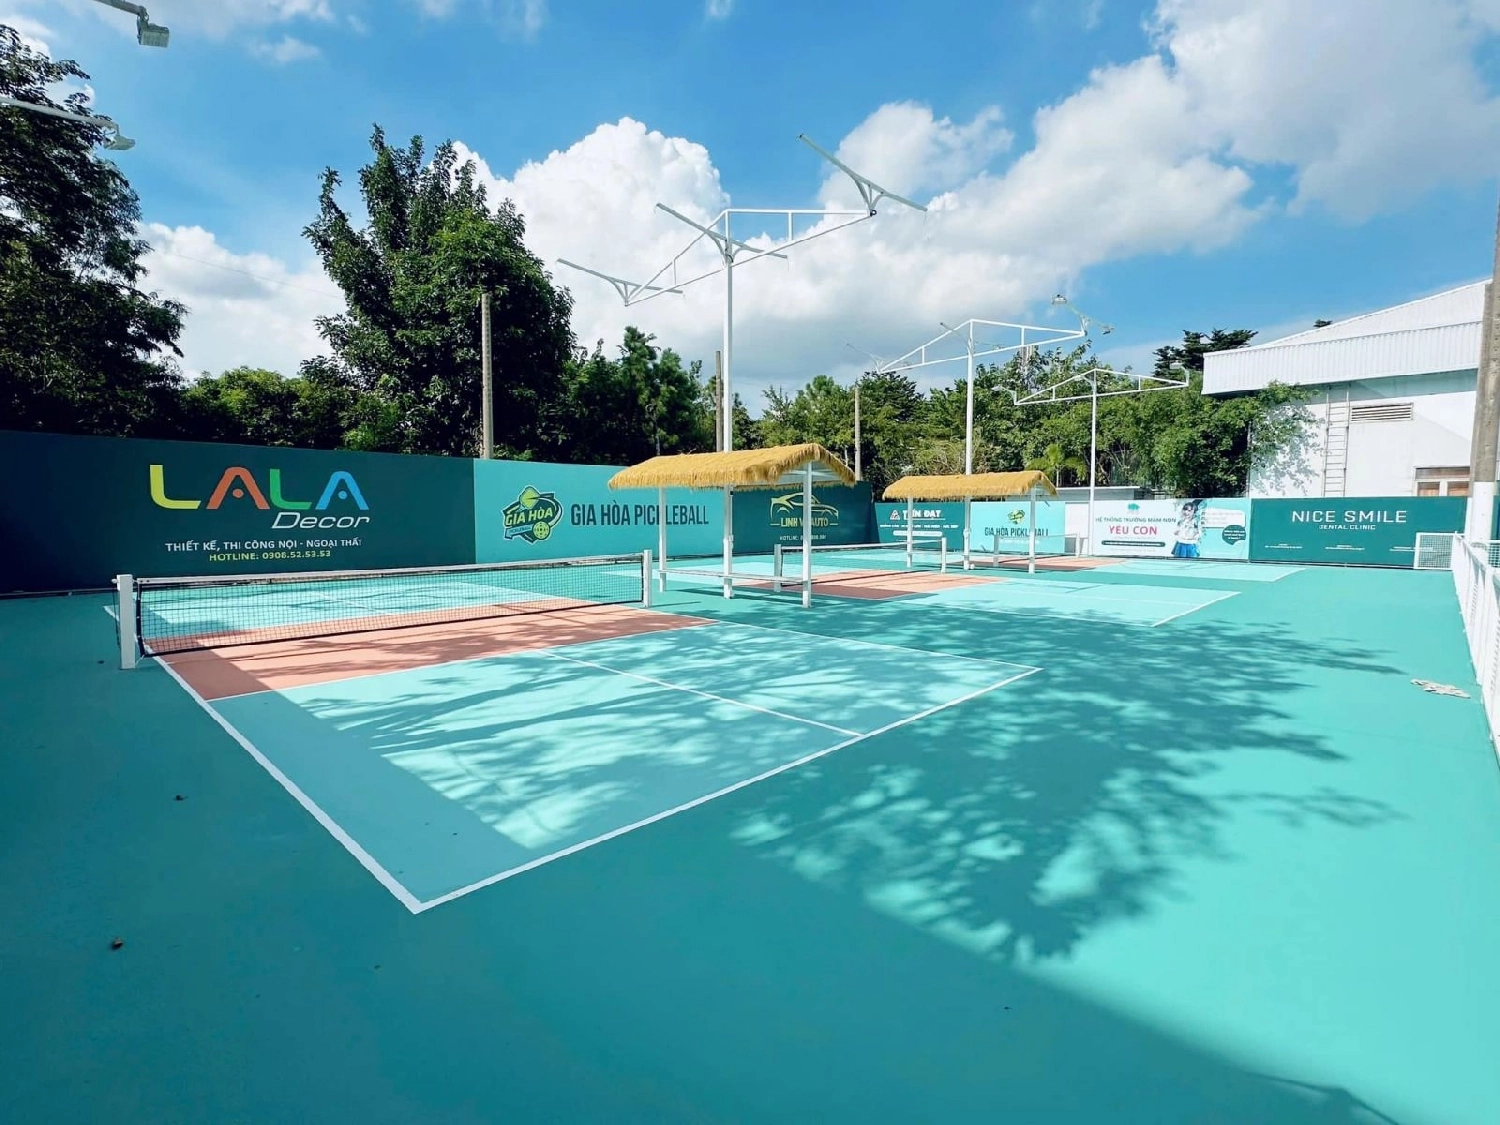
x: 119, y: 142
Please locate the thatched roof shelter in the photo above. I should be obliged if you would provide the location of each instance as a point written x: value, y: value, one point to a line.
x: 970, y: 486
x: 740, y: 468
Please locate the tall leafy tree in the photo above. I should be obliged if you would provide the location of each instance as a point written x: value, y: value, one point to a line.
x: 409, y: 343
x: 83, y: 347
x: 639, y: 404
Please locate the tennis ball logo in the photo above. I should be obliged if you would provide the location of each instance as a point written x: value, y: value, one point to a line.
x: 532, y: 515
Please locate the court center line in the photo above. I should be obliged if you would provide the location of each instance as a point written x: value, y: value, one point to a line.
x: 724, y: 792
x: 334, y: 829
x: 694, y: 691
x: 1195, y: 609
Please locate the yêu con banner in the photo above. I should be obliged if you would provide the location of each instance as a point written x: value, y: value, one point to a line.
x: 1184, y: 529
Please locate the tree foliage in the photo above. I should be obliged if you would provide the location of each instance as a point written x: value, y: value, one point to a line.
x: 83, y: 348
x: 412, y: 279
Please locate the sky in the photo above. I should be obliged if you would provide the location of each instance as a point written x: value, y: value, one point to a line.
x: 1169, y: 166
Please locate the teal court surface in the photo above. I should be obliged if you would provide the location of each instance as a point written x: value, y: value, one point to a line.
x: 976, y: 849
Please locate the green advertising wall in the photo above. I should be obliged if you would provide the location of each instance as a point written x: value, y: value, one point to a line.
x: 1355, y: 531
x: 536, y: 510
x: 79, y: 510
x: 765, y: 517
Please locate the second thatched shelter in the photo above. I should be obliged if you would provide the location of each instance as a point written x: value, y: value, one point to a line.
x: 969, y: 487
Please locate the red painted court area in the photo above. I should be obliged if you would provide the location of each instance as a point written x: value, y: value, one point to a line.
x: 240, y: 669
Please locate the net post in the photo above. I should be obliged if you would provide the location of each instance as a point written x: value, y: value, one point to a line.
x: 943, y: 555
x: 968, y: 529
x: 778, y: 563
x: 125, y: 615
x: 646, y: 578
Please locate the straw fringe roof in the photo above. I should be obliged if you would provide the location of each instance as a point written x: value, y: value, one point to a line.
x: 740, y: 468
x: 974, y: 486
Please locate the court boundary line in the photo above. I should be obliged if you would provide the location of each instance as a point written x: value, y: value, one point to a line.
x: 331, y: 826
x: 686, y: 806
x: 1196, y: 608
x: 693, y: 691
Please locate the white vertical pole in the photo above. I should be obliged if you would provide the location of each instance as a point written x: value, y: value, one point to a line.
x: 646, y: 578
x: 661, y: 536
x: 728, y: 393
x: 968, y: 530
x: 1031, y: 545
x: 1093, y: 453
x: 125, y: 612
x: 910, y: 532
x: 807, y: 502
x: 778, y: 566
x: 969, y: 417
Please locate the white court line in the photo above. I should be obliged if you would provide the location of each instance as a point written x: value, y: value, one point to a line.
x: 695, y: 691
x: 871, y: 644
x: 367, y: 861
x: 1195, y: 609
x: 726, y: 791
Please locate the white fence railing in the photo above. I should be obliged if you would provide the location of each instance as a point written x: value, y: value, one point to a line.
x: 1479, y: 602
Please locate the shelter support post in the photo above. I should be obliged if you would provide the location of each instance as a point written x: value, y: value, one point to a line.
x: 661, y: 538
x: 807, y: 503
x: 968, y: 529
x: 1031, y: 535
x: 728, y: 541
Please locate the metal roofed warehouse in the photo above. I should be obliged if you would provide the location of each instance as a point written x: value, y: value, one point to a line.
x: 1393, y: 404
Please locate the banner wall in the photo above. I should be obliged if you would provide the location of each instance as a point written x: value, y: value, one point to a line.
x: 536, y: 510
x: 83, y: 509
x: 1186, y: 529
x: 765, y: 517
x: 1009, y: 517
x: 1356, y: 531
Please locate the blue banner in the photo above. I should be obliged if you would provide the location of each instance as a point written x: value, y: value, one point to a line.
x: 764, y: 517
x: 535, y: 510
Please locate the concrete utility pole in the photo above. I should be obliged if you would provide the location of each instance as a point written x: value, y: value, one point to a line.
x: 487, y: 375
x: 1480, y: 516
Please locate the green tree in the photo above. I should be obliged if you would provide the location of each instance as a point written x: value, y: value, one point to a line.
x: 83, y: 348
x: 260, y: 407
x: 623, y: 410
x: 412, y: 277
x: 1054, y: 461
x: 1190, y: 444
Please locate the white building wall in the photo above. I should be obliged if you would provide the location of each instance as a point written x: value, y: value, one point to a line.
x: 1383, y: 456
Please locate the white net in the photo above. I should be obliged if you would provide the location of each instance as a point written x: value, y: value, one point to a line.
x: 1434, y: 550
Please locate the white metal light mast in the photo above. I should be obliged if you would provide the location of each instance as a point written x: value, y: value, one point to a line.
x: 1049, y: 394
x: 731, y: 252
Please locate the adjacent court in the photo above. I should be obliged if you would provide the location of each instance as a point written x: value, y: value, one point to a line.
x: 1144, y: 842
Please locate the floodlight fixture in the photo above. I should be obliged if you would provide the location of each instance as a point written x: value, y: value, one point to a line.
x: 147, y: 34
x: 117, y: 142
x: 732, y: 251
x: 1104, y: 329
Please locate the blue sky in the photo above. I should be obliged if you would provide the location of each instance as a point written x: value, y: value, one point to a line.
x: 1177, y: 164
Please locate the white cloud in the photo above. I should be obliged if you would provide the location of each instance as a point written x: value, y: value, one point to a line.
x: 1368, y: 102
x: 1363, y: 103
x: 242, y: 308
x: 718, y: 9
x: 521, y: 18
x: 33, y: 33
x: 287, y: 49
